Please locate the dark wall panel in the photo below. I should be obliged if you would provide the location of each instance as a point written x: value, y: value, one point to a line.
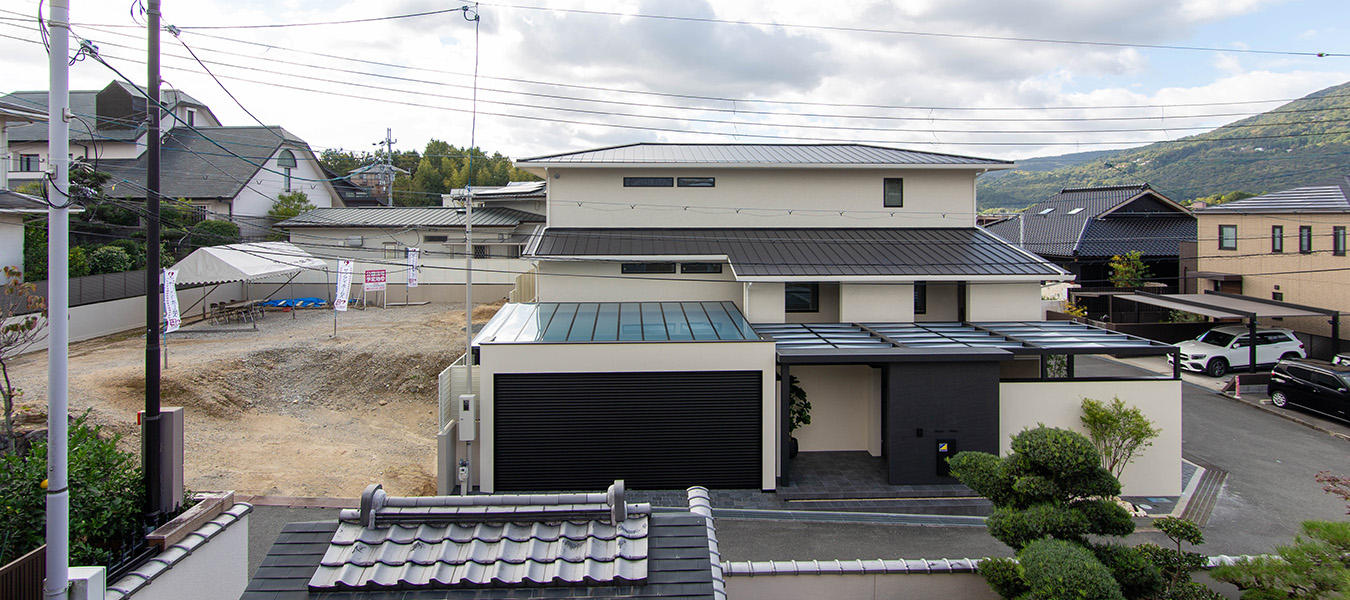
x: 932, y: 403
x: 655, y: 430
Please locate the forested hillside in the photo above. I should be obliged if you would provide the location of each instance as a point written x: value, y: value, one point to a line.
x: 439, y: 168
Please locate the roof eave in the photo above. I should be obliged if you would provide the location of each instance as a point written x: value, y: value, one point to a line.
x: 540, y: 168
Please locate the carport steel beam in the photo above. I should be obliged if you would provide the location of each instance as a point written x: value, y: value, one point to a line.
x: 1250, y: 316
x: 1334, y: 314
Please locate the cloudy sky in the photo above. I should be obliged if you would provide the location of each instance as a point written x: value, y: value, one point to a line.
x: 979, y: 77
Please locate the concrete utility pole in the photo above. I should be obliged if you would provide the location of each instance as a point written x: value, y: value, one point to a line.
x: 388, y: 174
x: 150, y: 426
x: 58, y: 299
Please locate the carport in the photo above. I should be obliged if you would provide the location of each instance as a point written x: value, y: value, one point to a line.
x: 1223, y: 305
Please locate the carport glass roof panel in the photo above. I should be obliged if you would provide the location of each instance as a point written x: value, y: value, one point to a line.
x: 562, y: 322
x: 1015, y: 336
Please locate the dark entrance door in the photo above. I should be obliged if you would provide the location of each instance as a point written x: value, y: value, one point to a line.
x: 932, y: 410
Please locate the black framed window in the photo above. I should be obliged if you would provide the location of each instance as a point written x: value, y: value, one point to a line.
x: 1228, y: 237
x: 648, y: 267
x: 435, y: 238
x: 893, y: 192
x: 30, y: 163
x: 701, y: 267
x: 1277, y: 238
x: 1305, y: 239
x: 801, y: 297
x: 920, y: 298
x: 696, y: 182
x: 1338, y: 241
x: 648, y: 182
x: 481, y: 252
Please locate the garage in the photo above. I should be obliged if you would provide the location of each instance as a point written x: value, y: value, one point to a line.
x: 655, y: 430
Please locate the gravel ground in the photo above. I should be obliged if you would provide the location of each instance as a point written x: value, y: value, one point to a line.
x: 286, y: 410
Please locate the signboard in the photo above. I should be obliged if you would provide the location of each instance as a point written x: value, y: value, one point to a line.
x: 412, y: 266
x: 344, y: 285
x: 375, y: 280
x: 171, y: 317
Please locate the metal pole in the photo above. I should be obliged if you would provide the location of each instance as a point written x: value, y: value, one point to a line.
x: 150, y: 430
x: 58, y: 297
x: 468, y: 317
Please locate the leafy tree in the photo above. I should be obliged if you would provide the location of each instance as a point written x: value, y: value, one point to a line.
x: 24, y: 314
x: 800, y: 409
x: 213, y: 233
x: 1316, y: 565
x: 290, y: 205
x: 1117, y: 431
x: 1129, y: 270
x: 1176, y: 564
x: 35, y: 248
x: 342, y: 161
x: 78, y: 265
x: 109, y: 259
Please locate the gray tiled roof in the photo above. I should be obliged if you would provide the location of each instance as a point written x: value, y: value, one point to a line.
x: 16, y: 202
x: 913, y: 253
x: 193, y: 167
x: 758, y: 154
x: 84, y: 106
x: 14, y: 112
x: 167, y: 559
x: 1332, y: 196
x: 1074, y: 222
x: 434, y: 216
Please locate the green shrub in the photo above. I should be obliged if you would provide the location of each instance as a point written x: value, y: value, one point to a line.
x: 1018, y: 528
x: 106, y: 495
x: 109, y: 259
x: 134, y: 249
x: 1004, y: 576
x: 1136, y: 576
x: 214, y: 233
x: 1057, y: 570
x: 79, y: 262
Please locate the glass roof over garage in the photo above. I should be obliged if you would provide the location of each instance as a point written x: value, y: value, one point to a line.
x: 564, y: 322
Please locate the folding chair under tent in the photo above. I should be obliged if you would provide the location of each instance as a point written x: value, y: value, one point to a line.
x: 216, y: 265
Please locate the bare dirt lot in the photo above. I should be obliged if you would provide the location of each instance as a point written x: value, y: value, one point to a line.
x: 287, y: 410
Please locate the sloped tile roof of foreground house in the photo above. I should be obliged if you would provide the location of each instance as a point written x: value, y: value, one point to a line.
x: 1331, y: 196
x: 824, y: 254
x: 761, y: 155
x: 490, y: 216
x: 501, y: 546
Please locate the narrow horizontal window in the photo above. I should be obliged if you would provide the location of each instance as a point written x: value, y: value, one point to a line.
x: 701, y: 267
x: 648, y: 267
x: 696, y: 182
x: 436, y: 238
x: 648, y: 182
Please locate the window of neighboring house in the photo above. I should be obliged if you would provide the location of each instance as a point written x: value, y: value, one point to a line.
x: 893, y: 192
x: 1305, y: 239
x: 696, y: 182
x: 30, y: 163
x: 191, y: 117
x: 801, y: 297
x: 1338, y: 241
x: 393, y: 250
x: 287, y: 183
x: 1074, y: 211
x: 1277, y: 296
x: 1228, y: 237
x: 286, y: 160
x: 920, y: 298
x: 648, y: 182
x: 648, y: 267
x: 480, y: 251
x: 431, y: 239
x: 1277, y: 238
x: 701, y: 267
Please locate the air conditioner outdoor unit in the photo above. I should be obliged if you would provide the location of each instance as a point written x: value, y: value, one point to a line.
x: 355, y: 241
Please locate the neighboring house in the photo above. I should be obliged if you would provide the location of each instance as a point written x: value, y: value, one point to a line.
x: 109, y: 124
x: 1080, y: 229
x: 233, y: 173
x: 377, y: 178
x: 379, y: 237
x: 528, y: 196
x: 13, y: 208
x: 1288, y: 245
x: 682, y: 287
x: 13, y: 116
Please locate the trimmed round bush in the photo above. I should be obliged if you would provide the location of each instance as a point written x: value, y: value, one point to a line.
x: 1059, y: 570
x: 1134, y: 573
x: 109, y: 259
x: 1004, y: 576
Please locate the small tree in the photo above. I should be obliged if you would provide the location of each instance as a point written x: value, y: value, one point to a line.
x: 23, y: 314
x: 214, y: 233
x: 109, y: 259
x: 799, y: 409
x: 1129, y: 270
x: 1117, y: 431
x: 287, y: 206
x: 1316, y: 565
x: 1176, y: 564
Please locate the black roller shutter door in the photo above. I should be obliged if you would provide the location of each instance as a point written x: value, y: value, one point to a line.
x: 655, y: 430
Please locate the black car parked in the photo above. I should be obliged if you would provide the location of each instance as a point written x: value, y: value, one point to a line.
x: 1316, y: 385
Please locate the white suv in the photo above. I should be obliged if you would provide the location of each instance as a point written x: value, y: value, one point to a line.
x: 1222, y: 348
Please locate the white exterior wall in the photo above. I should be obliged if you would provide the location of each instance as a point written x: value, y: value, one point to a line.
x: 1003, y: 302
x: 1155, y: 472
x: 860, y: 303
x: 647, y: 356
x: 942, y: 304
x: 969, y: 586
x: 595, y: 281
x: 845, y: 408
x: 763, y: 302
x: 216, y: 570
x: 11, y: 241
x: 255, y: 199
x: 932, y: 198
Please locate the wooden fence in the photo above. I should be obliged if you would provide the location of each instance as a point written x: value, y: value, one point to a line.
x: 22, y: 579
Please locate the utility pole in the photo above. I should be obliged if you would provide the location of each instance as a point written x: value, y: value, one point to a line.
x: 58, y: 299
x: 388, y: 174
x: 150, y: 425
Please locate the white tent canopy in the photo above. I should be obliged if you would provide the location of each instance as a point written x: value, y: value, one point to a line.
x: 245, y: 262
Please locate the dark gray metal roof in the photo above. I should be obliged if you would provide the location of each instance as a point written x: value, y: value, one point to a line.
x: 1332, y: 196
x: 616, y: 322
x: 1100, y: 221
x: 16, y: 202
x: 910, y: 253
x: 83, y: 104
x: 192, y: 167
x: 13, y: 112
x: 398, y: 217
x: 758, y: 154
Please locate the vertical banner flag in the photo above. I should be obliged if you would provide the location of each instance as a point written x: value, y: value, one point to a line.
x: 412, y: 266
x: 344, y: 285
x: 171, y: 316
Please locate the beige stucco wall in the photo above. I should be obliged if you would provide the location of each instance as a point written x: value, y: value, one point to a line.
x: 1155, y: 472
x: 828, y: 306
x: 1319, y: 279
x: 763, y: 302
x: 933, y: 198
x: 565, y: 281
x: 942, y: 305
x: 648, y: 356
x: 1003, y: 302
x: 859, y: 587
x: 845, y: 408
x: 867, y: 302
